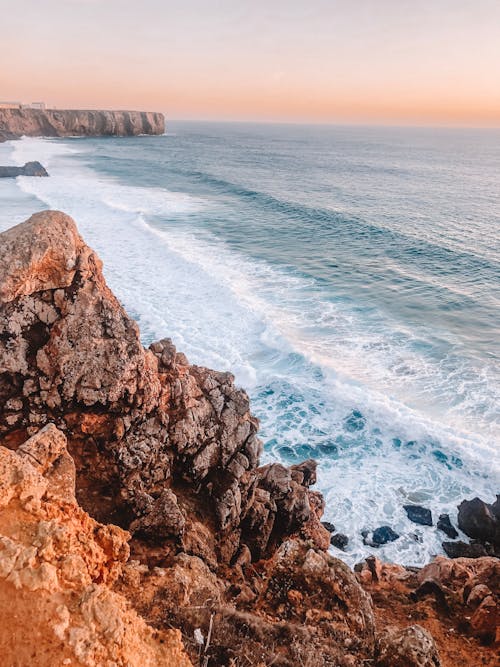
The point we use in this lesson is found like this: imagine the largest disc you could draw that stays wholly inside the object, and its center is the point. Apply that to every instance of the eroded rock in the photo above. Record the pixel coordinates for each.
(57, 566)
(409, 647)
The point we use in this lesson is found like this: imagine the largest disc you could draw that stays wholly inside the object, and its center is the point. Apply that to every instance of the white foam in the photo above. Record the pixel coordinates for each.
(274, 331)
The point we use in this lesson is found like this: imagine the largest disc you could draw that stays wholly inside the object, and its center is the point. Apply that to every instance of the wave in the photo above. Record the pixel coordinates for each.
(352, 227)
(366, 400)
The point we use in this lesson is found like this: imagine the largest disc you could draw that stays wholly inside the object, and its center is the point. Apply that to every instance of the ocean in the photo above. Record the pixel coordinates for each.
(349, 277)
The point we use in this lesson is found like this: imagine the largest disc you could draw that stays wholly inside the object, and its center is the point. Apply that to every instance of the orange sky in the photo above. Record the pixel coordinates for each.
(380, 61)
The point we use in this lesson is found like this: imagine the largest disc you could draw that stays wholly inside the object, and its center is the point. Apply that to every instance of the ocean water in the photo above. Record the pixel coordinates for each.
(348, 277)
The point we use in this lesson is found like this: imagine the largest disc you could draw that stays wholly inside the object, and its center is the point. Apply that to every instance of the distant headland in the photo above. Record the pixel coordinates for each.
(17, 120)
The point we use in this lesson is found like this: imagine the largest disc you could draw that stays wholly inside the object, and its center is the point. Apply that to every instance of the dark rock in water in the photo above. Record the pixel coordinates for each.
(463, 550)
(480, 520)
(419, 514)
(339, 540)
(329, 526)
(444, 524)
(29, 169)
(379, 536)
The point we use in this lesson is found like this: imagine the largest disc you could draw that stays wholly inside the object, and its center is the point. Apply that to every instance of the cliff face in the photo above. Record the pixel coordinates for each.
(15, 123)
(57, 569)
(104, 433)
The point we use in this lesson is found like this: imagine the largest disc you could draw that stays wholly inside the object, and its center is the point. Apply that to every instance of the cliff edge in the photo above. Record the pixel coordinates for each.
(15, 123)
(134, 502)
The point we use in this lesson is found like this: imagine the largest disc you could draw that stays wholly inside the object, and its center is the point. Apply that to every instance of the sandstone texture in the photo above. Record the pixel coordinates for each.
(15, 123)
(29, 169)
(57, 568)
(134, 507)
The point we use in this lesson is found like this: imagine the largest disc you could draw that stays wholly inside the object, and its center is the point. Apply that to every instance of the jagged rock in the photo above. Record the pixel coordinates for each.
(163, 518)
(29, 169)
(418, 514)
(70, 354)
(445, 525)
(57, 566)
(221, 546)
(409, 647)
(341, 608)
(469, 584)
(480, 520)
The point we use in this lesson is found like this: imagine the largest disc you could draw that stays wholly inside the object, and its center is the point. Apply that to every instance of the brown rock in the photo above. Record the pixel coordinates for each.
(56, 568)
(15, 123)
(409, 647)
(70, 354)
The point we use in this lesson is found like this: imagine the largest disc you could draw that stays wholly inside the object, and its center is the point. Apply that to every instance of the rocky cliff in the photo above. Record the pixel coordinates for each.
(133, 502)
(15, 123)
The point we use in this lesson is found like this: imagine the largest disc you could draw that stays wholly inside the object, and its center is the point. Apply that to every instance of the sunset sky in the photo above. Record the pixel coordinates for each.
(369, 61)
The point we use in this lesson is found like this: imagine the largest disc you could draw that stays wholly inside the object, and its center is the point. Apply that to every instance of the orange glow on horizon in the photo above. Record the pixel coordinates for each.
(322, 61)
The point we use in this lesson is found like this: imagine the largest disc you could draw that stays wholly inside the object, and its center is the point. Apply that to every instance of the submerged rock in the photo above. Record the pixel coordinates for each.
(419, 514)
(445, 525)
(29, 169)
(380, 536)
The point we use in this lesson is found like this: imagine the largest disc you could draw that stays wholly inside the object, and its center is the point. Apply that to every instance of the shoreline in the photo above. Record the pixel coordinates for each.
(405, 528)
(208, 537)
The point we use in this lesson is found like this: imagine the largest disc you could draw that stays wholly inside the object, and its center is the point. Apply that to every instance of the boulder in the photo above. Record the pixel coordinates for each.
(339, 540)
(408, 647)
(461, 549)
(29, 169)
(445, 525)
(480, 520)
(419, 514)
(380, 536)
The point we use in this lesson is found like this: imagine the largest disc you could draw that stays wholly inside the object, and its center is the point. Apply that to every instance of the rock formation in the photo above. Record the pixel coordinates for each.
(15, 123)
(29, 169)
(106, 446)
(57, 569)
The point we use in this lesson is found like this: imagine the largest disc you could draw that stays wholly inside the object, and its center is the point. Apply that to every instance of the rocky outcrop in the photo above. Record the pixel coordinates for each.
(106, 448)
(57, 569)
(15, 123)
(481, 521)
(29, 169)
(167, 435)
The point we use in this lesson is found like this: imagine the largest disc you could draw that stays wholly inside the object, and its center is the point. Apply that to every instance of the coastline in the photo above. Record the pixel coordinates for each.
(88, 196)
(15, 123)
(245, 538)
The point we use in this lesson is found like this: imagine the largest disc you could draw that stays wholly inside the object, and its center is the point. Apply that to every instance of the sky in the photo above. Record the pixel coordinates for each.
(431, 62)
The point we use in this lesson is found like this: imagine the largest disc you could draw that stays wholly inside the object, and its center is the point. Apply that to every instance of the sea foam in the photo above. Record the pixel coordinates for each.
(369, 402)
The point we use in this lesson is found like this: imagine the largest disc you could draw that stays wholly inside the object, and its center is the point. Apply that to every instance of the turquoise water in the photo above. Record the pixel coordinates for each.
(349, 277)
